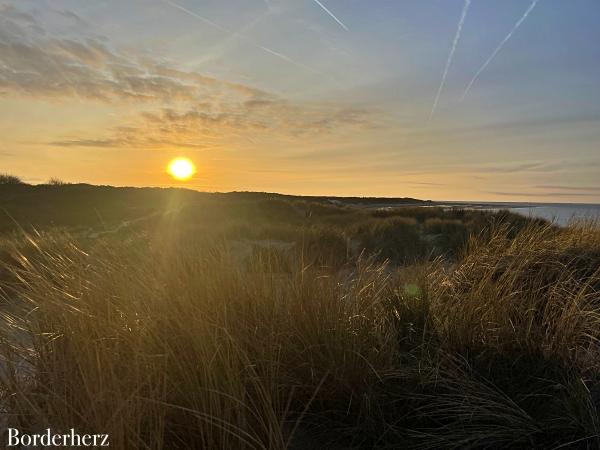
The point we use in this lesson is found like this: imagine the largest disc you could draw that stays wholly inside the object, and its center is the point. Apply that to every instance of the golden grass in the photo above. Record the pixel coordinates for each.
(165, 344)
(537, 291)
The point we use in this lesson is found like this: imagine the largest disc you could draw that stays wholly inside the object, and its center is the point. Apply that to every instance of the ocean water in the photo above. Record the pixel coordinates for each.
(559, 213)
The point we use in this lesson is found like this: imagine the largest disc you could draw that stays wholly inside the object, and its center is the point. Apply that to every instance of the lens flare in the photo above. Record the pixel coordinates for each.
(181, 169)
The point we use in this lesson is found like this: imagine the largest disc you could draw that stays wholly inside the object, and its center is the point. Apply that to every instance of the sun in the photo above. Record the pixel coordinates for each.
(181, 169)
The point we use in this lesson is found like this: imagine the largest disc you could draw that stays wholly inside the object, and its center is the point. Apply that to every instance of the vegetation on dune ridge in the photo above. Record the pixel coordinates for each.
(7, 179)
(342, 328)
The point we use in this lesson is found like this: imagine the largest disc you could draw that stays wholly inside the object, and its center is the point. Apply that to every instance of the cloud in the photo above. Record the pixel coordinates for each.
(423, 183)
(131, 141)
(559, 123)
(139, 137)
(63, 68)
(554, 190)
(35, 64)
(520, 167)
(184, 107)
(202, 128)
(537, 166)
(70, 15)
(544, 194)
(10, 12)
(570, 188)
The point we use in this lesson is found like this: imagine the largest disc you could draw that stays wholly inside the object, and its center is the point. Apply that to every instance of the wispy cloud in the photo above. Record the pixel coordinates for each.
(37, 65)
(197, 128)
(518, 167)
(180, 108)
(461, 23)
(133, 140)
(552, 190)
(500, 47)
(543, 194)
(324, 8)
(570, 188)
(244, 38)
(424, 183)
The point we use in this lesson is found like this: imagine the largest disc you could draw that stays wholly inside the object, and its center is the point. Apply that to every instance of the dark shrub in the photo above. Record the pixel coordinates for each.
(449, 236)
(10, 179)
(396, 239)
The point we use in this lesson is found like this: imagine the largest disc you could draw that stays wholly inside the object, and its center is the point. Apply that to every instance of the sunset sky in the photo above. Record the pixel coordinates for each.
(298, 97)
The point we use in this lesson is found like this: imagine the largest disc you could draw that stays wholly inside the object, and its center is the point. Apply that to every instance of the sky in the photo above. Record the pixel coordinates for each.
(331, 97)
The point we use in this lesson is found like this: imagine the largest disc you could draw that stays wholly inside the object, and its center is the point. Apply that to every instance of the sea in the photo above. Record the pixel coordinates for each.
(559, 213)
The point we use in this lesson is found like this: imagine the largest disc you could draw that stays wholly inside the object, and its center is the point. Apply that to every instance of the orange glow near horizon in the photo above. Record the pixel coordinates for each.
(181, 169)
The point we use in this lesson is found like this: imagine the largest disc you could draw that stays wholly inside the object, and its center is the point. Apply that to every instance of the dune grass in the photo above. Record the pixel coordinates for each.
(167, 342)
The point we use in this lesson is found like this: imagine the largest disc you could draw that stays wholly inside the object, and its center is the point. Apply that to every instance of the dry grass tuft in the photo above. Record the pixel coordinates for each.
(164, 344)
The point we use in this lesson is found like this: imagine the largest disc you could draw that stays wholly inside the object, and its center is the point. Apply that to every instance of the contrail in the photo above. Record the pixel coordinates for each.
(340, 23)
(243, 38)
(450, 56)
(504, 41)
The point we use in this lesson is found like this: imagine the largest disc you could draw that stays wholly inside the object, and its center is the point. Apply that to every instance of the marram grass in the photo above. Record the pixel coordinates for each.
(163, 344)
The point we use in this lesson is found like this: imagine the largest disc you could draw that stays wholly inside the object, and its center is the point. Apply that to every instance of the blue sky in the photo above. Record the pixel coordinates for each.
(276, 95)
